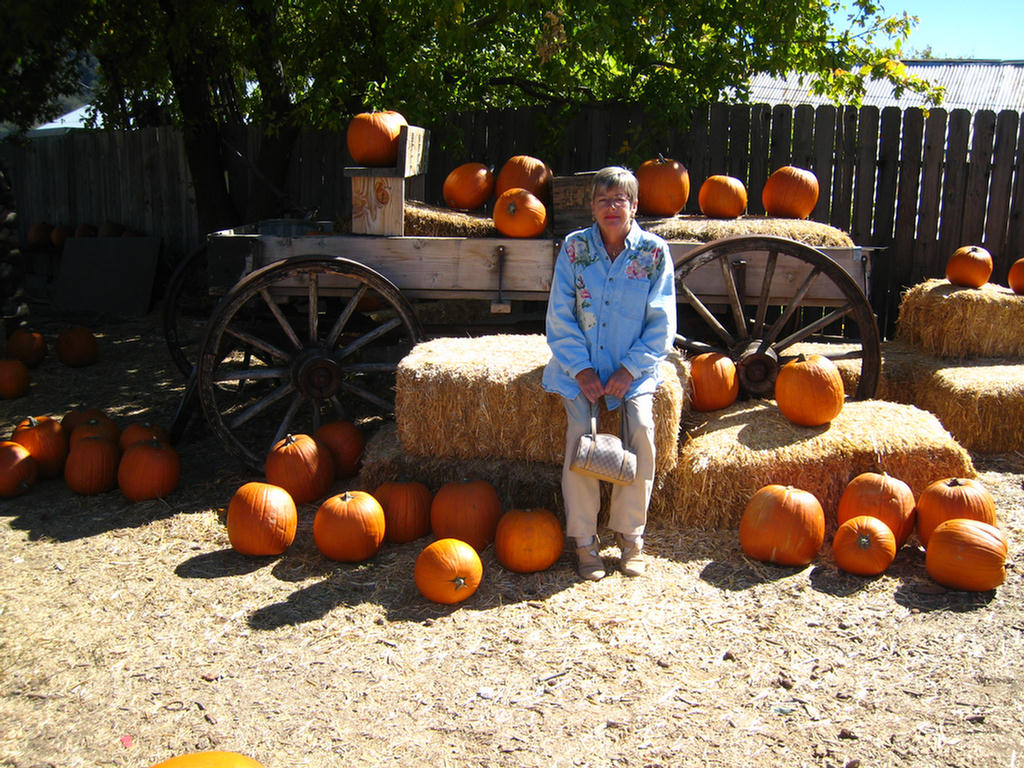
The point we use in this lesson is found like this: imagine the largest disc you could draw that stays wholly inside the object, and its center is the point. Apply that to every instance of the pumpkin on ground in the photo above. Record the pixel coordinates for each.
(372, 137)
(302, 466)
(790, 192)
(349, 527)
(18, 470)
(969, 266)
(91, 466)
(1015, 277)
(406, 505)
(864, 545)
(782, 525)
(261, 519)
(14, 379)
(448, 571)
(967, 554)
(952, 498)
(809, 390)
(149, 469)
(528, 540)
(345, 442)
(142, 430)
(60, 234)
(466, 510)
(27, 346)
(79, 415)
(883, 496)
(76, 347)
(468, 187)
(209, 759)
(715, 381)
(722, 197)
(46, 441)
(519, 213)
(94, 426)
(663, 187)
(525, 172)
(39, 235)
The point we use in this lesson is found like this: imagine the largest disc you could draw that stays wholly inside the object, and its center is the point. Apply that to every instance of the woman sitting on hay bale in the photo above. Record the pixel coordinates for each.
(610, 321)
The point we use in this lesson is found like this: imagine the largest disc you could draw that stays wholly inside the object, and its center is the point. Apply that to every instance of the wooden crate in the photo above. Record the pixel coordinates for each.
(379, 193)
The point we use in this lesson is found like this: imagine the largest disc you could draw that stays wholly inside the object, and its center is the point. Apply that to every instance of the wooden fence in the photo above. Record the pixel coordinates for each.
(912, 186)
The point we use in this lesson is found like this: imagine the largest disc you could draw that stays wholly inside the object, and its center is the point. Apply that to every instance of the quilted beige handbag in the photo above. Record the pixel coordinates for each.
(605, 456)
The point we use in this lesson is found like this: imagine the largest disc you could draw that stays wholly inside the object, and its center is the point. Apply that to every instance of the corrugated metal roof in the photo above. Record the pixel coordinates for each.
(970, 84)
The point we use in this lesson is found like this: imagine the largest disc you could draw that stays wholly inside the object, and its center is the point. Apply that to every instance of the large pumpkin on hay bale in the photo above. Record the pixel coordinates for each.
(466, 510)
(448, 571)
(468, 187)
(969, 266)
(349, 527)
(27, 346)
(714, 380)
(790, 193)
(372, 137)
(1015, 277)
(782, 525)
(525, 172)
(809, 390)
(953, 498)
(528, 540)
(663, 187)
(519, 213)
(864, 545)
(722, 197)
(967, 554)
(262, 519)
(881, 496)
(209, 759)
(18, 470)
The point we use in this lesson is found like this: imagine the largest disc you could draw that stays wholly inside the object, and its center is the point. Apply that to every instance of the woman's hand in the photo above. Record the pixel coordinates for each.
(618, 383)
(590, 384)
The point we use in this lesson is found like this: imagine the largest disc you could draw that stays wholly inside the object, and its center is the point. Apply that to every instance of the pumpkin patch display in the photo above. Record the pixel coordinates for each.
(46, 441)
(782, 525)
(519, 213)
(864, 545)
(406, 505)
(967, 554)
(663, 187)
(881, 496)
(466, 510)
(372, 137)
(262, 519)
(209, 759)
(790, 192)
(302, 466)
(18, 470)
(345, 442)
(14, 379)
(969, 266)
(77, 347)
(525, 172)
(809, 390)
(528, 540)
(722, 197)
(349, 527)
(714, 380)
(27, 346)
(149, 469)
(952, 498)
(448, 571)
(468, 187)
(91, 465)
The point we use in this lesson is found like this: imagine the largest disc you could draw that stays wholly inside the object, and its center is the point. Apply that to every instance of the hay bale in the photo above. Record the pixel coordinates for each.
(481, 397)
(949, 321)
(422, 220)
(740, 449)
(702, 229)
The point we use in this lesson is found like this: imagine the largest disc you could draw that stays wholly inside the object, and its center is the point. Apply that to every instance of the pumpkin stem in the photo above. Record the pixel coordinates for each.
(459, 582)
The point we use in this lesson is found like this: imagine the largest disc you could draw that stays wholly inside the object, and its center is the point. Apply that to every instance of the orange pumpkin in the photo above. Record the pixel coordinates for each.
(302, 466)
(142, 430)
(466, 510)
(663, 187)
(27, 346)
(345, 442)
(261, 519)
(715, 382)
(14, 379)
(722, 197)
(1015, 277)
(96, 427)
(349, 527)
(60, 234)
(952, 498)
(39, 235)
(18, 470)
(782, 525)
(79, 415)
(77, 347)
(91, 466)
(969, 266)
(809, 390)
(528, 540)
(525, 172)
(967, 554)
(448, 571)
(468, 187)
(372, 137)
(519, 213)
(46, 441)
(149, 469)
(209, 759)
(406, 505)
(790, 192)
(864, 545)
(882, 496)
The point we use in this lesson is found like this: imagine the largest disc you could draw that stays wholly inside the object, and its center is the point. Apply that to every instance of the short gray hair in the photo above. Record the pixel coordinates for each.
(615, 177)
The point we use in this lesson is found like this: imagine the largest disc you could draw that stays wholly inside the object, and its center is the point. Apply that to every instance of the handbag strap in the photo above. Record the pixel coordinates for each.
(622, 420)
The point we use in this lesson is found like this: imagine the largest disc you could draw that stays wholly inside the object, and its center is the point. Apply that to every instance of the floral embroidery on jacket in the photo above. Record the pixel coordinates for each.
(644, 265)
(586, 318)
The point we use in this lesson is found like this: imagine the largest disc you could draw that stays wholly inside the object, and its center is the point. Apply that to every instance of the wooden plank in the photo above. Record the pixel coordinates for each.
(378, 205)
(803, 136)
(843, 176)
(954, 182)
(718, 143)
(928, 262)
(864, 174)
(738, 161)
(760, 149)
(977, 177)
(883, 222)
(698, 161)
(824, 144)
(901, 252)
(782, 136)
(1015, 224)
(998, 212)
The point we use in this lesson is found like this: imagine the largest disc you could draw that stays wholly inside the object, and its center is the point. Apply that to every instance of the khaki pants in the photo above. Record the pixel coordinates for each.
(582, 495)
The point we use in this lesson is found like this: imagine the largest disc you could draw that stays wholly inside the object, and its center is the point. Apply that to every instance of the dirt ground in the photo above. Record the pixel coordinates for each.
(132, 632)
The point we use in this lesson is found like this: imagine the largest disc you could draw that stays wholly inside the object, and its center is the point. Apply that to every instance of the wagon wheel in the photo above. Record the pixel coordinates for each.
(760, 330)
(299, 342)
(186, 309)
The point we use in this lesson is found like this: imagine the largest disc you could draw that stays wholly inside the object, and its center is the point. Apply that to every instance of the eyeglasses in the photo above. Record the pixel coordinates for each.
(619, 201)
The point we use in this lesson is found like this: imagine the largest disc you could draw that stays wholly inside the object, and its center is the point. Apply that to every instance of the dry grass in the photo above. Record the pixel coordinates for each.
(703, 230)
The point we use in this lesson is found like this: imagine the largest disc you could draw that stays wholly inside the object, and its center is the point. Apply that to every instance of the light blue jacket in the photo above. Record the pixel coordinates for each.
(603, 314)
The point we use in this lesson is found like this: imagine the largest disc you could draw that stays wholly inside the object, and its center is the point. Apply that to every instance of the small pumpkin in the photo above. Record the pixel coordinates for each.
(722, 197)
(715, 381)
(1015, 277)
(783, 525)
(790, 192)
(18, 470)
(951, 498)
(466, 510)
(79, 415)
(883, 496)
(77, 347)
(809, 390)
(262, 519)
(345, 442)
(406, 505)
(525, 172)
(14, 379)
(142, 430)
(302, 466)
(91, 466)
(209, 759)
(663, 187)
(349, 527)
(60, 234)
(372, 137)
(96, 426)
(967, 554)
(46, 441)
(448, 571)
(969, 266)
(864, 545)
(39, 235)
(468, 187)
(519, 213)
(27, 346)
(528, 540)
(149, 469)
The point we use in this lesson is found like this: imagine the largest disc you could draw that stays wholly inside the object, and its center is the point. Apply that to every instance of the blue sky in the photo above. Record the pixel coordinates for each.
(976, 29)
